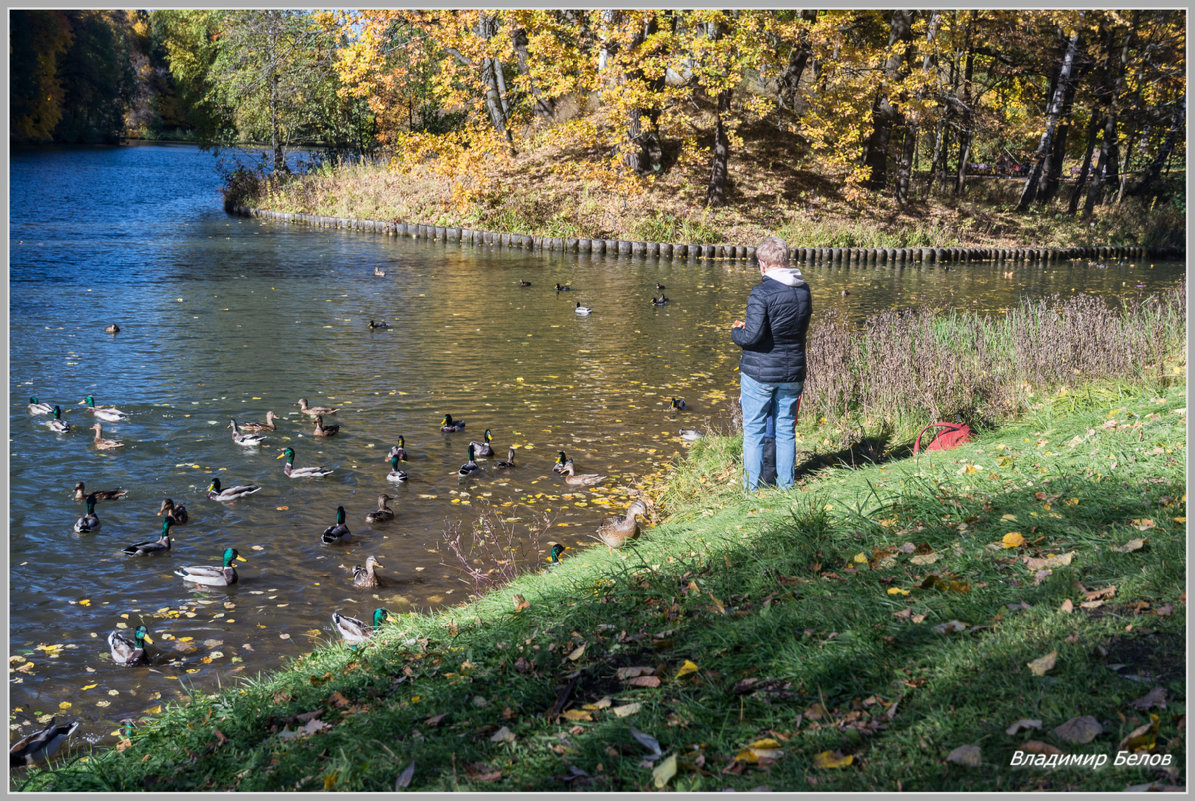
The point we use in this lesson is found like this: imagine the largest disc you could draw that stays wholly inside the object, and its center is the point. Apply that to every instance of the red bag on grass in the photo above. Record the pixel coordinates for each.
(951, 436)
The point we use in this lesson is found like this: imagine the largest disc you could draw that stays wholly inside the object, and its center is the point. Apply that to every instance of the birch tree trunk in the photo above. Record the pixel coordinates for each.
(1044, 148)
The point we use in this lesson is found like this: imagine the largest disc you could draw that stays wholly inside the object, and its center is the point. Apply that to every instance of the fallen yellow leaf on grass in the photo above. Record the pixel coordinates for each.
(663, 772)
(687, 668)
(1049, 562)
(1131, 545)
(1039, 667)
(860, 558)
(760, 749)
(1013, 539)
(832, 759)
(1143, 524)
(521, 603)
(577, 714)
(968, 755)
(897, 591)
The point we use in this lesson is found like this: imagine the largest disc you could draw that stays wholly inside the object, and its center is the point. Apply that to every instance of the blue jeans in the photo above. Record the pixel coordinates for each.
(759, 402)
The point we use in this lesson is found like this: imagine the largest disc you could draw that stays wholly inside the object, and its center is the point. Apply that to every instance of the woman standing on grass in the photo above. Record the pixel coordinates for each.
(772, 367)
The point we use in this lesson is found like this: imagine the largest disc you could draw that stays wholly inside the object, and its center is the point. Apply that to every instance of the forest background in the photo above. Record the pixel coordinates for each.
(841, 127)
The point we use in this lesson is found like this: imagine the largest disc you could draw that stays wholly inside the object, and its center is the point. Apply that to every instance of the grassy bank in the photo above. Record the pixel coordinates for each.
(848, 635)
(546, 191)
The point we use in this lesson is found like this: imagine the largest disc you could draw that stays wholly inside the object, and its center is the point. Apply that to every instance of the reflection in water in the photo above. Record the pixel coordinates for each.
(225, 318)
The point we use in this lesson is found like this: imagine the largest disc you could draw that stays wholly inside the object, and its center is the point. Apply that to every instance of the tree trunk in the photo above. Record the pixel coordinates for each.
(1030, 191)
(1092, 130)
(884, 115)
(1107, 168)
(274, 78)
(643, 153)
(1154, 170)
(967, 121)
(544, 107)
(715, 194)
(798, 58)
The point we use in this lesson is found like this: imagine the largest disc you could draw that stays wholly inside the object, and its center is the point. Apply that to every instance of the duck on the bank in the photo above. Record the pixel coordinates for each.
(509, 463)
(41, 745)
(565, 288)
(382, 324)
(88, 523)
(213, 576)
(365, 577)
(314, 411)
(383, 513)
(355, 631)
(337, 533)
(616, 530)
(584, 311)
(483, 449)
(524, 283)
(448, 424)
(160, 545)
(561, 460)
(322, 430)
(57, 424)
(100, 495)
(37, 407)
(470, 467)
(176, 513)
(557, 551)
(108, 413)
(126, 652)
(583, 480)
(379, 272)
(112, 329)
(396, 475)
(104, 444)
(660, 301)
(217, 493)
(290, 471)
(679, 404)
(253, 428)
(245, 440)
(399, 450)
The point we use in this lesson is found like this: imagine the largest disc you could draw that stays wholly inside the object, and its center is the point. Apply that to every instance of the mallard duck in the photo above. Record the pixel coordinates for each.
(40, 746)
(354, 630)
(561, 460)
(109, 413)
(322, 430)
(659, 286)
(382, 324)
(660, 301)
(399, 450)
(679, 404)
(338, 532)
(470, 467)
(112, 329)
(160, 545)
(382, 513)
(88, 522)
(268, 425)
(616, 530)
(364, 576)
(217, 493)
(448, 424)
(584, 311)
(126, 652)
(396, 475)
(213, 576)
(104, 444)
(291, 471)
(557, 550)
(483, 448)
(37, 407)
(99, 495)
(176, 513)
(510, 460)
(58, 424)
(690, 434)
(245, 440)
(313, 411)
(379, 272)
(565, 288)
(583, 480)
(524, 283)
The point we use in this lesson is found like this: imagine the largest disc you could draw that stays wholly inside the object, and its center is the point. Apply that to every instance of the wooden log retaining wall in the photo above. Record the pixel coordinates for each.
(837, 257)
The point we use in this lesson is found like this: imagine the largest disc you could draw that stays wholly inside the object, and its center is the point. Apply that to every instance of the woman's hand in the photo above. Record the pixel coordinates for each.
(739, 324)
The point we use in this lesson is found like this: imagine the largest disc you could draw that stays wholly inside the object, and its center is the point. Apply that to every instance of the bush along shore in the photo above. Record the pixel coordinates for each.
(826, 256)
(1008, 615)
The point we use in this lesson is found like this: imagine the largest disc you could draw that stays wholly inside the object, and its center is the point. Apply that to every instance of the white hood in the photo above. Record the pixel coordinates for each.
(785, 275)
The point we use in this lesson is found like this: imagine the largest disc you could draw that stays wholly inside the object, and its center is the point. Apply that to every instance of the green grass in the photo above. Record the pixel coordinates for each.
(808, 622)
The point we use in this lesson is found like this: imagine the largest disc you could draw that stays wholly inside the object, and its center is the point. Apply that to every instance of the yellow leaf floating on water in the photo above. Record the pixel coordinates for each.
(64, 705)
(1013, 539)
(687, 668)
(832, 759)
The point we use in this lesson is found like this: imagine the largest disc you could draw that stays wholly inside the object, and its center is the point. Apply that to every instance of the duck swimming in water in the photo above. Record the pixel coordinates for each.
(524, 283)
(160, 545)
(660, 301)
(313, 411)
(470, 467)
(253, 428)
(57, 424)
(483, 448)
(41, 745)
(99, 495)
(679, 404)
(365, 577)
(126, 652)
(338, 532)
(322, 430)
(109, 413)
(383, 513)
(561, 461)
(104, 444)
(584, 311)
(583, 480)
(399, 450)
(177, 514)
(396, 475)
(565, 288)
(37, 407)
(509, 463)
(89, 522)
(215, 492)
(245, 440)
(382, 324)
(290, 471)
(213, 576)
(448, 424)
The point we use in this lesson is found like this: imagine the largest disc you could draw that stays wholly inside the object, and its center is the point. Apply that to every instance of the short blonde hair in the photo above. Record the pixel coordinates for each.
(772, 252)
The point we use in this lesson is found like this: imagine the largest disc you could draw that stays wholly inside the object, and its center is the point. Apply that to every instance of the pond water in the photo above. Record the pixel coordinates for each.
(223, 317)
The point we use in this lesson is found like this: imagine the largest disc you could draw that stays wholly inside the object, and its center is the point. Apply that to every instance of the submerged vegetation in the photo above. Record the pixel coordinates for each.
(830, 637)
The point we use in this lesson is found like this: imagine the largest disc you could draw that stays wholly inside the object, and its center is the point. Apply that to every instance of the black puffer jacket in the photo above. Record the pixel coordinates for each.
(773, 337)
